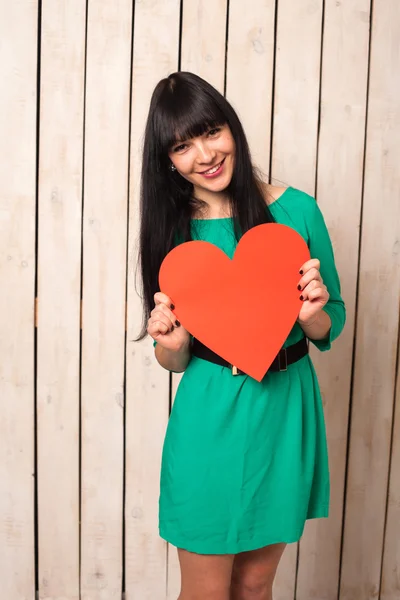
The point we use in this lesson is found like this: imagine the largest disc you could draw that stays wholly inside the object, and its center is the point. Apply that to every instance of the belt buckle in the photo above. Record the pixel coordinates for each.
(284, 354)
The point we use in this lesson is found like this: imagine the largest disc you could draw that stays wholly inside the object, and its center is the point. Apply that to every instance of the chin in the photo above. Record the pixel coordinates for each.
(221, 187)
(223, 184)
(217, 185)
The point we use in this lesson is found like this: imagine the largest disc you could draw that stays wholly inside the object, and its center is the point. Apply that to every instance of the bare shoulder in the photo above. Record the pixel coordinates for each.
(272, 192)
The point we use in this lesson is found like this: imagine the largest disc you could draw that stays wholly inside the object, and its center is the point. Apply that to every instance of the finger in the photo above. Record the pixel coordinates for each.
(309, 264)
(161, 298)
(167, 312)
(156, 327)
(318, 294)
(158, 315)
(312, 274)
(321, 295)
(313, 285)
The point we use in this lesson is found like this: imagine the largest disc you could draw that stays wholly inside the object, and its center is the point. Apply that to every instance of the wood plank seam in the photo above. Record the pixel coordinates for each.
(80, 317)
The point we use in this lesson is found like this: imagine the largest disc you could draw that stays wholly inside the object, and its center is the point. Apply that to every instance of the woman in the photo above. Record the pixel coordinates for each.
(244, 463)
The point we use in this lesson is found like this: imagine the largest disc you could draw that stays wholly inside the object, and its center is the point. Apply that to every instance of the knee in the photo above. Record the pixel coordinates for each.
(209, 590)
(251, 588)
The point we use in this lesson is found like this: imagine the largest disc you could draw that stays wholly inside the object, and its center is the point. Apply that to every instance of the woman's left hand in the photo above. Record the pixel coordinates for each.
(313, 292)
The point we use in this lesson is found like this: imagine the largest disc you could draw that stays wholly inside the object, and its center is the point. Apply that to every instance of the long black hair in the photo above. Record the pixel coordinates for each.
(183, 106)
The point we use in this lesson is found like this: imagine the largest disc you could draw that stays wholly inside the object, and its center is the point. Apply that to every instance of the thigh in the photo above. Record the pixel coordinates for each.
(205, 575)
(256, 569)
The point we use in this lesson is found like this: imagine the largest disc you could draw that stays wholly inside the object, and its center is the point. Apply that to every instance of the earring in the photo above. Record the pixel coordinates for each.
(172, 167)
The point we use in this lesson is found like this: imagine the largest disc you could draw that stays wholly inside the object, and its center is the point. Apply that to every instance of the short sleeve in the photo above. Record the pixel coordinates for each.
(320, 246)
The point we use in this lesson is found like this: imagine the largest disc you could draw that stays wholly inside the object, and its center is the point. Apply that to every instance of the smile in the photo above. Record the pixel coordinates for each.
(215, 170)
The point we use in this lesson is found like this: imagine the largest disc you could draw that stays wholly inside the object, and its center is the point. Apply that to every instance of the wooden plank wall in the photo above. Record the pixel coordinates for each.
(59, 208)
(83, 409)
(18, 156)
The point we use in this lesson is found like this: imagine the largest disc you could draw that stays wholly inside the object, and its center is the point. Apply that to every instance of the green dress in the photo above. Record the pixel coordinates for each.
(245, 463)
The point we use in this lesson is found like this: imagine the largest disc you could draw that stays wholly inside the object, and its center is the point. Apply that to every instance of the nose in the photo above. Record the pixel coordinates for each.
(205, 154)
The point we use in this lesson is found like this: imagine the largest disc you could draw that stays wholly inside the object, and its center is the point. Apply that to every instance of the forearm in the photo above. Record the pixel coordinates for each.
(173, 360)
(319, 328)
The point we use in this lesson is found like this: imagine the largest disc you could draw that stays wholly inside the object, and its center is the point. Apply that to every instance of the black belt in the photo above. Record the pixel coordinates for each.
(285, 356)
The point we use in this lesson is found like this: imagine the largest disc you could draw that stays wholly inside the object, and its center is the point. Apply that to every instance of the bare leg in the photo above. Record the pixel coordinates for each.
(253, 573)
(205, 576)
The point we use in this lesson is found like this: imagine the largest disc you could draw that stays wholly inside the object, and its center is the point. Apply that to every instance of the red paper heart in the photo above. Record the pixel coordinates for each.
(242, 309)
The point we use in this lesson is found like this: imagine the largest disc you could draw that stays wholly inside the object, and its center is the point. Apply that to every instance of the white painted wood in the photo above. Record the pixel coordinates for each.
(297, 81)
(249, 76)
(59, 268)
(298, 50)
(377, 318)
(18, 68)
(390, 583)
(339, 192)
(203, 40)
(156, 51)
(104, 289)
(174, 572)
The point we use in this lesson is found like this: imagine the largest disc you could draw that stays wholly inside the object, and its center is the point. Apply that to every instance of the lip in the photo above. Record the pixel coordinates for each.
(217, 172)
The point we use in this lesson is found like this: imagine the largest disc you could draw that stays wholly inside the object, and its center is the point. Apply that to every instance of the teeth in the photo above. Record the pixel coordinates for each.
(213, 170)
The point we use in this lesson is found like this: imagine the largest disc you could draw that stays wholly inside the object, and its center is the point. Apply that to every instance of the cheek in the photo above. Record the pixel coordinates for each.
(180, 163)
(184, 165)
(186, 168)
(229, 145)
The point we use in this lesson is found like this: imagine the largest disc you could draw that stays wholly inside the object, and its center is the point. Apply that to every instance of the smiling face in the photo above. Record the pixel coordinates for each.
(207, 161)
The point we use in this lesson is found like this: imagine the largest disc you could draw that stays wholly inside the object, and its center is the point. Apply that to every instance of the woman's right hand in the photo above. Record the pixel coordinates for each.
(163, 326)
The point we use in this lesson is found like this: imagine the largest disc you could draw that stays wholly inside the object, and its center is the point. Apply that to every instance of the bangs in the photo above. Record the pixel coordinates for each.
(185, 116)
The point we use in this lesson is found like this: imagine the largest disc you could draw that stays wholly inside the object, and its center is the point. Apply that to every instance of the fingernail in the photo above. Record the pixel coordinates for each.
(177, 324)
(301, 271)
(299, 287)
(172, 306)
(301, 297)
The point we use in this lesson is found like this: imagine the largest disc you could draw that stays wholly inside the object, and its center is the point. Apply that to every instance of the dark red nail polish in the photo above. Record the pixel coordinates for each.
(301, 297)
(301, 271)
(172, 306)
(299, 287)
(177, 324)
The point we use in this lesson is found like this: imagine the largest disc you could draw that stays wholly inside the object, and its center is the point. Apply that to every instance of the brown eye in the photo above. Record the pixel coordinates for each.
(179, 147)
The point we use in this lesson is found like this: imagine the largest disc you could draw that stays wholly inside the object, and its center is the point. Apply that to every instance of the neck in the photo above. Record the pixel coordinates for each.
(216, 204)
